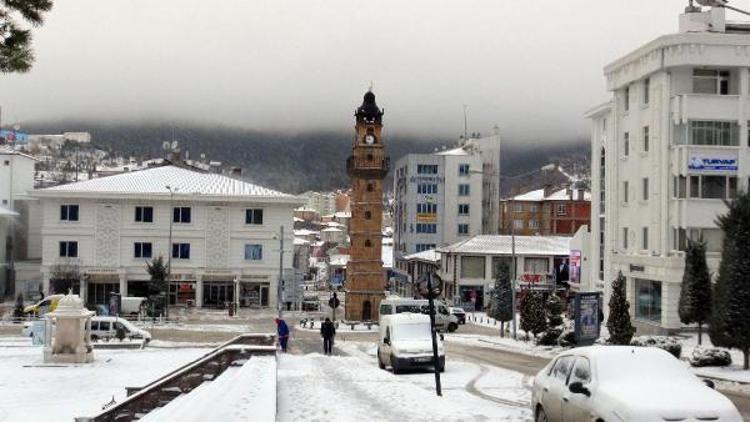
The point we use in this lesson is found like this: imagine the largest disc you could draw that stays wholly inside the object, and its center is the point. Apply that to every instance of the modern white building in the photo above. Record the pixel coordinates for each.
(668, 148)
(225, 236)
(446, 196)
(468, 268)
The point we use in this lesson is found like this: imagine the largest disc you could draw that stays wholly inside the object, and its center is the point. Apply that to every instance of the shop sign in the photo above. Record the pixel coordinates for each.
(426, 218)
(637, 268)
(713, 162)
(425, 179)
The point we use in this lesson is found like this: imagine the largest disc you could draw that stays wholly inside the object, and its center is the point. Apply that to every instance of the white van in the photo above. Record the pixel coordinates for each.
(444, 320)
(405, 342)
(105, 328)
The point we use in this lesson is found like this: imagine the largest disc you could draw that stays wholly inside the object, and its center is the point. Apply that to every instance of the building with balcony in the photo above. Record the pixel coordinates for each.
(446, 196)
(668, 148)
(546, 212)
(98, 235)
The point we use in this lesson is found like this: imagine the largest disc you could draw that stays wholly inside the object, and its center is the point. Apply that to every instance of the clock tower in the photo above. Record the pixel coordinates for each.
(367, 168)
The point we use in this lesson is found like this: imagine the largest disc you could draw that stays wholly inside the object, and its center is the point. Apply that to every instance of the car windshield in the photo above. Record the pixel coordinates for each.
(411, 332)
(409, 308)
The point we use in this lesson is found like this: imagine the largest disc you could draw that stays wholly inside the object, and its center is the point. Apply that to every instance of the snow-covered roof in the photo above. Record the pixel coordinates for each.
(331, 230)
(304, 232)
(453, 151)
(338, 260)
(559, 195)
(503, 244)
(300, 242)
(342, 214)
(5, 212)
(429, 255)
(153, 181)
(386, 255)
(9, 151)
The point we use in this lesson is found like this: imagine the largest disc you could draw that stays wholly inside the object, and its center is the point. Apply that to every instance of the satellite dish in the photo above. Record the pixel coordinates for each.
(174, 144)
(165, 145)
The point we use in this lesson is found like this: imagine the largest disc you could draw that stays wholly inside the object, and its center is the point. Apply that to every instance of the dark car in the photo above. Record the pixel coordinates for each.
(460, 315)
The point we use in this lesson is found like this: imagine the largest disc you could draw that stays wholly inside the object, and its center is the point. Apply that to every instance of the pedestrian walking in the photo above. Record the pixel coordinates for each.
(328, 332)
(283, 331)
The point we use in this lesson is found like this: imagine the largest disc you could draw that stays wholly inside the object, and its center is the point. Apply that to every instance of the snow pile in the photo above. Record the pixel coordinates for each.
(670, 344)
(238, 394)
(710, 357)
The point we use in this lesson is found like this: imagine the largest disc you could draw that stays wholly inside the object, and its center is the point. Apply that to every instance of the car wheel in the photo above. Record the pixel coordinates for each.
(540, 415)
(394, 365)
(381, 365)
(452, 327)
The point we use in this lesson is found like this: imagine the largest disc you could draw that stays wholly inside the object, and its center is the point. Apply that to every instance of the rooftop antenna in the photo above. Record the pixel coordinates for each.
(370, 88)
(466, 121)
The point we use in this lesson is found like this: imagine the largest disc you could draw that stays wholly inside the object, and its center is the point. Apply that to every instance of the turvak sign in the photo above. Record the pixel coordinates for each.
(712, 163)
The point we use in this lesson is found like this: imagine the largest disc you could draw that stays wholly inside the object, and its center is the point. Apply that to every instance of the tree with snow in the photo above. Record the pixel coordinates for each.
(533, 315)
(501, 307)
(16, 54)
(620, 328)
(158, 285)
(695, 296)
(730, 322)
(554, 308)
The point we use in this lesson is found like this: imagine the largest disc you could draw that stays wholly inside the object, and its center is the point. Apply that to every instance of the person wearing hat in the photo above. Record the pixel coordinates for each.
(283, 331)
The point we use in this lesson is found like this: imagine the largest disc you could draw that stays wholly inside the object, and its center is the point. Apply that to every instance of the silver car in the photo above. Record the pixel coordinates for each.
(624, 383)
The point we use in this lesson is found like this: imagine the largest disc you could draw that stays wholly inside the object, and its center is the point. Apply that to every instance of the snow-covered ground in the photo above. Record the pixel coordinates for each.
(329, 388)
(733, 372)
(29, 390)
(504, 343)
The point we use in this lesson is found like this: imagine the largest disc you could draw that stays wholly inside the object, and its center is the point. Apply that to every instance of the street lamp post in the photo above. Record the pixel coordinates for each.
(170, 247)
(281, 270)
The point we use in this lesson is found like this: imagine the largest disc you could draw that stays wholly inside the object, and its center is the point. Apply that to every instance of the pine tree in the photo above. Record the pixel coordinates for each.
(533, 315)
(158, 272)
(620, 328)
(16, 54)
(554, 308)
(695, 296)
(730, 322)
(501, 307)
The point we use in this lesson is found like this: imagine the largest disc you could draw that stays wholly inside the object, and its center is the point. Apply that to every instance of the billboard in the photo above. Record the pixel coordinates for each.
(14, 137)
(575, 266)
(587, 313)
(713, 161)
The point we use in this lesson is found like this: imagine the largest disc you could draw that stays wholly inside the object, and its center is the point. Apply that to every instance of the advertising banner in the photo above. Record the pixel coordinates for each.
(586, 311)
(713, 161)
(575, 266)
(14, 137)
(426, 218)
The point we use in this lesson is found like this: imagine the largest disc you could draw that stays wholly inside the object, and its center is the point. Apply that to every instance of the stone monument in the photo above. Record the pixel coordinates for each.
(71, 339)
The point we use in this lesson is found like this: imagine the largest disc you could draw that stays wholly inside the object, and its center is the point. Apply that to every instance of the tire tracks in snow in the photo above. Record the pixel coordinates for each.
(471, 388)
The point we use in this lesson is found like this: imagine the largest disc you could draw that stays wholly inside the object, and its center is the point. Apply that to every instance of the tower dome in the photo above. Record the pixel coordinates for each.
(369, 110)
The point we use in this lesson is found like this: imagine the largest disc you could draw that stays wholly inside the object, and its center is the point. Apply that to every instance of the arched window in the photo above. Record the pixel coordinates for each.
(369, 157)
(368, 215)
(368, 244)
(370, 187)
(366, 310)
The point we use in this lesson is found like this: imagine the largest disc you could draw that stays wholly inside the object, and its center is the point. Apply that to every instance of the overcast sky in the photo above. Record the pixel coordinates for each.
(532, 67)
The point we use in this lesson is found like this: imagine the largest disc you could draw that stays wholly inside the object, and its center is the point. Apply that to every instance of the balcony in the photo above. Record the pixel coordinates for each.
(368, 169)
(686, 107)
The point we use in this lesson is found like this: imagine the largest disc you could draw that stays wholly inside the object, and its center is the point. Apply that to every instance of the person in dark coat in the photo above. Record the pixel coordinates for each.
(283, 331)
(328, 332)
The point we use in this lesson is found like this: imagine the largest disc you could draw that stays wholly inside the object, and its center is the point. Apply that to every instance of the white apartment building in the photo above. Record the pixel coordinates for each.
(223, 231)
(667, 150)
(449, 195)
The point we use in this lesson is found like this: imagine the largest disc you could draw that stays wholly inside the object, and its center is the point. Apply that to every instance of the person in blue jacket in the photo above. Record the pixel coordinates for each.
(283, 331)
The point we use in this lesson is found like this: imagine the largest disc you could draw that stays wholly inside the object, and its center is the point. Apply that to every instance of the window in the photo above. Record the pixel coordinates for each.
(368, 244)
(708, 132)
(463, 209)
(463, 169)
(695, 186)
(142, 250)
(427, 208)
(581, 370)
(463, 229)
(518, 224)
(645, 188)
(254, 216)
(517, 207)
(427, 168)
(562, 368)
(646, 88)
(181, 250)
(533, 208)
(369, 187)
(626, 99)
(426, 228)
(181, 214)
(625, 238)
(680, 186)
(645, 238)
(562, 209)
(144, 214)
(253, 252)
(626, 144)
(645, 138)
(535, 224)
(421, 247)
(69, 212)
(714, 187)
(713, 238)
(68, 249)
(368, 215)
(427, 188)
(472, 266)
(6, 162)
(463, 190)
(535, 265)
(710, 81)
(648, 300)
(625, 189)
(732, 187)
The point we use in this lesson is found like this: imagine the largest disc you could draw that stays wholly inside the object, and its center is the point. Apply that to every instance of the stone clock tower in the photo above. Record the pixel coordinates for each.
(367, 168)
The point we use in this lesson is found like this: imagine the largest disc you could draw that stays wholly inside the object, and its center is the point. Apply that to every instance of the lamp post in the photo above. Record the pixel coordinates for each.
(281, 270)
(170, 248)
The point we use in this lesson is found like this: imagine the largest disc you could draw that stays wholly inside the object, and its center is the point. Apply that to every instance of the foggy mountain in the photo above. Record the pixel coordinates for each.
(290, 162)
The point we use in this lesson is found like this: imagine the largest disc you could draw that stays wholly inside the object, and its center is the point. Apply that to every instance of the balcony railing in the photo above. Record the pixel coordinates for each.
(686, 107)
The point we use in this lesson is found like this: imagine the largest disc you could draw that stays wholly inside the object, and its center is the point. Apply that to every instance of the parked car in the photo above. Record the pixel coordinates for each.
(460, 315)
(405, 341)
(444, 321)
(105, 327)
(48, 304)
(624, 383)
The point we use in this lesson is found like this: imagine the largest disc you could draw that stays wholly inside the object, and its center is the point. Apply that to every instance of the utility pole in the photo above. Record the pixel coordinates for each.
(281, 269)
(170, 250)
(513, 271)
(435, 357)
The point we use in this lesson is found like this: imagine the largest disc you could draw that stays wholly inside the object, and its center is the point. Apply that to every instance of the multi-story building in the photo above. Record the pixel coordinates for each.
(667, 150)
(225, 234)
(322, 202)
(546, 212)
(446, 196)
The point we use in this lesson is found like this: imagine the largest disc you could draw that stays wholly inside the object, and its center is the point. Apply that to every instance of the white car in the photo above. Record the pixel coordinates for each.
(405, 342)
(444, 320)
(105, 327)
(624, 383)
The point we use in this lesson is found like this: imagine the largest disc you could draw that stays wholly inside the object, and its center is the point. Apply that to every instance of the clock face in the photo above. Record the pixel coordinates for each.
(369, 139)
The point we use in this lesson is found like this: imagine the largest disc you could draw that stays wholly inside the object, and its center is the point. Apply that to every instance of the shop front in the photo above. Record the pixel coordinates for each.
(255, 290)
(182, 292)
(471, 298)
(217, 294)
